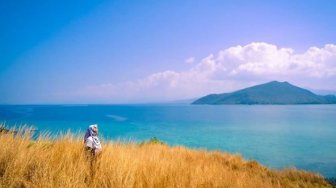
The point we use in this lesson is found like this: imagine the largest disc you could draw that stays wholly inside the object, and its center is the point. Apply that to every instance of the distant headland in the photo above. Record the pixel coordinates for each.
(268, 93)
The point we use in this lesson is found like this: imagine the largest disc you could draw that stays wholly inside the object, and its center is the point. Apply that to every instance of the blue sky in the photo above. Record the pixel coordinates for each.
(148, 51)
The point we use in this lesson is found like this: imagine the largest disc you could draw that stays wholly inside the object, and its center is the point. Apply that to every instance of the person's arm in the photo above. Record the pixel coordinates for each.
(89, 143)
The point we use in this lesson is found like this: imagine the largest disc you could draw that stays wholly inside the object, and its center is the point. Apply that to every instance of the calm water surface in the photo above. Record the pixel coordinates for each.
(281, 136)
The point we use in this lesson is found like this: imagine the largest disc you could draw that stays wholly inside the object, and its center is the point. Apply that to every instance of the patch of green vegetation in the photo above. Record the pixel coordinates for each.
(153, 140)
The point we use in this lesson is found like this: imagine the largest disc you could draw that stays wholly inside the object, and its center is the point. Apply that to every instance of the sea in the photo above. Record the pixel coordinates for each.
(277, 136)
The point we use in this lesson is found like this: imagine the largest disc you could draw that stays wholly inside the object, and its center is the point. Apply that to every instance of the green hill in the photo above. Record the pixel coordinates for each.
(269, 93)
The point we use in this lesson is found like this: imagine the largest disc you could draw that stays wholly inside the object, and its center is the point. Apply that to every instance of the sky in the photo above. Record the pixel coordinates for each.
(105, 52)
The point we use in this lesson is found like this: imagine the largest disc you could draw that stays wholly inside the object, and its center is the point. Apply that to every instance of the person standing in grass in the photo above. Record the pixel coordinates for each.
(91, 140)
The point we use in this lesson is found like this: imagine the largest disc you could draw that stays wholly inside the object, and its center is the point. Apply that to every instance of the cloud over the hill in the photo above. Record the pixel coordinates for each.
(227, 70)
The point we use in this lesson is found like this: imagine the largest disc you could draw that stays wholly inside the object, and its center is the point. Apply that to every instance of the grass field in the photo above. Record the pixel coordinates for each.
(64, 163)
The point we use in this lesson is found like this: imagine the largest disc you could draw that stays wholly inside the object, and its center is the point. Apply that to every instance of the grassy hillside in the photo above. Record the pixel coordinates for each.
(64, 163)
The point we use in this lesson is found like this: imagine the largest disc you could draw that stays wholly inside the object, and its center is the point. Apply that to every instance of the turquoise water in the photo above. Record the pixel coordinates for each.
(277, 136)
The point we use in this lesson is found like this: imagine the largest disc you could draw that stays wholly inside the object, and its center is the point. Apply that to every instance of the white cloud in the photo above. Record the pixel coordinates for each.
(190, 60)
(231, 69)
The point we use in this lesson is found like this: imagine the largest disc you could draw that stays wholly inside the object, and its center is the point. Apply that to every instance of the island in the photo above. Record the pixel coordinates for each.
(274, 92)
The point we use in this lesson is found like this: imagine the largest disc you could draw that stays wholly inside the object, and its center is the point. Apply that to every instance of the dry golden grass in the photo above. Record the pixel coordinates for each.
(64, 163)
